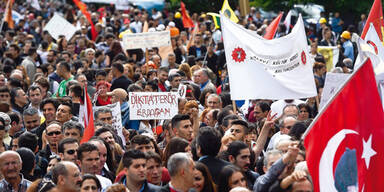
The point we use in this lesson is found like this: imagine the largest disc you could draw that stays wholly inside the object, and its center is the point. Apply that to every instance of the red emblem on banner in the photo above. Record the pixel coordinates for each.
(374, 46)
(303, 58)
(238, 54)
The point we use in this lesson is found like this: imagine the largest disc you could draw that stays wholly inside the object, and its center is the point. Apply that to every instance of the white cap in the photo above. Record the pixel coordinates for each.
(160, 27)
(171, 24)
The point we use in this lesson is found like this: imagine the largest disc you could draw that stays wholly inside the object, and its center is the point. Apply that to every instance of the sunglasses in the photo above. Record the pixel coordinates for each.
(54, 133)
(288, 127)
(2, 127)
(72, 151)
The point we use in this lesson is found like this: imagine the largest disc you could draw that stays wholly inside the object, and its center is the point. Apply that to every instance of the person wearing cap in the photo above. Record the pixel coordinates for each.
(322, 25)
(347, 45)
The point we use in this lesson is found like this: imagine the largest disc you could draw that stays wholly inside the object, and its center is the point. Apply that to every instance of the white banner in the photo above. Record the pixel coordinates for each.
(152, 105)
(116, 118)
(100, 1)
(146, 40)
(333, 82)
(59, 26)
(268, 69)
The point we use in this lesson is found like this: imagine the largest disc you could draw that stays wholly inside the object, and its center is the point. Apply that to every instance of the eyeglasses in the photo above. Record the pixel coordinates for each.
(2, 96)
(54, 133)
(71, 151)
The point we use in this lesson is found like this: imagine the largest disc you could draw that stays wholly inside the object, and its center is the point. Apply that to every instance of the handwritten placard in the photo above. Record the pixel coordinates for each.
(146, 40)
(152, 105)
(116, 118)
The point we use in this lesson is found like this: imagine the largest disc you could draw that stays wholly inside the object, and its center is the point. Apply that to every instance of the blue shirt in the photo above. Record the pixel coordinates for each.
(348, 50)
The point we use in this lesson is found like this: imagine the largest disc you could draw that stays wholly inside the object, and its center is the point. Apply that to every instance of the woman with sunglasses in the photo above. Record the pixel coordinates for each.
(90, 183)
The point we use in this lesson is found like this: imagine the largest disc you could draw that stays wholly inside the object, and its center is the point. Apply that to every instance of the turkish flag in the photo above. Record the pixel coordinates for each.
(270, 31)
(83, 9)
(87, 117)
(376, 17)
(345, 145)
(187, 21)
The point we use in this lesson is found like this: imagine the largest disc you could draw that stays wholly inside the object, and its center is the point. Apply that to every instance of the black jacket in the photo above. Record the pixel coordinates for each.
(121, 82)
(214, 165)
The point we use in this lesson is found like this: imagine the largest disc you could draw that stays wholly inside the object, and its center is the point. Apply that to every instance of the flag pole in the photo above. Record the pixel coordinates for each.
(331, 100)
(206, 54)
(234, 106)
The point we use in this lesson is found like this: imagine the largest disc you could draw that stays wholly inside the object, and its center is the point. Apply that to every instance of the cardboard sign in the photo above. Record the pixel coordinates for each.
(146, 40)
(182, 91)
(116, 118)
(332, 84)
(152, 105)
(59, 26)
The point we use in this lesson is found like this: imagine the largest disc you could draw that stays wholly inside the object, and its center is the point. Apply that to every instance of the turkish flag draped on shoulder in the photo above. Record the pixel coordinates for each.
(258, 68)
(345, 145)
(376, 17)
(270, 31)
(86, 115)
(83, 9)
(187, 21)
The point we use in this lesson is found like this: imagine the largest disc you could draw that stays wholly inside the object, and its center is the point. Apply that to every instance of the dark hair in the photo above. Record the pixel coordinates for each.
(226, 119)
(242, 123)
(209, 185)
(225, 175)
(264, 106)
(175, 145)
(140, 140)
(131, 155)
(235, 147)
(102, 130)
(223, 113)
(172, 76)
(307, 107)
(31, 51)
(92, 177)
(4, 89)
(85, 147)
(43, 68)
(177, 118)
(65, 65)
(209, 141)
(297, 130)
(13, 93)
(76, 89)
(28, 159)
(32, 88)
(101, 72)
(67, 140)
(14, 116)
(133, 88)
(43, 82)
(164, 68)
(118, 66)
(153, 85)
(28, 140)
(154, 156)
(73, 125)
(53, 101)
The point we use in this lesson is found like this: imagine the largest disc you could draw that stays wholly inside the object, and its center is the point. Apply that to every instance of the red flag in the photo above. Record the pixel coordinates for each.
(83, 9)
(187, 21)
(8, 14)
(376, 17)
(345, 146)
(87, 115)
(272, 28)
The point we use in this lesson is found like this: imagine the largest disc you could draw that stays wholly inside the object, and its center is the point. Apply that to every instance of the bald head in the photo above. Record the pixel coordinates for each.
(10, 165)
(287, 123)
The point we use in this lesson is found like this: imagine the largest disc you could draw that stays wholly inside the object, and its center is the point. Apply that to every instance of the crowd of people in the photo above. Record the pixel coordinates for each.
(209, 146)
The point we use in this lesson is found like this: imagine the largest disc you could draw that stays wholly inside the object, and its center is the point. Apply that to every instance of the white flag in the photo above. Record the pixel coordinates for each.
(373, 49)
(35, 4)
(267, 69)
(287, 21)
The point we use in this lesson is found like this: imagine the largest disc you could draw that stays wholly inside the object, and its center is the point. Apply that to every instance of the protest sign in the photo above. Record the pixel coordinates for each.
(152, 105)
(59, 26)
(116, 118)
(332, 84)
(330, 54)
(146, 40)
(182, 90)
(267, 69)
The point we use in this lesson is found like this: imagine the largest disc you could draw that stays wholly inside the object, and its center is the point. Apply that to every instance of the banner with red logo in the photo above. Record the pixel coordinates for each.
(280, 68)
